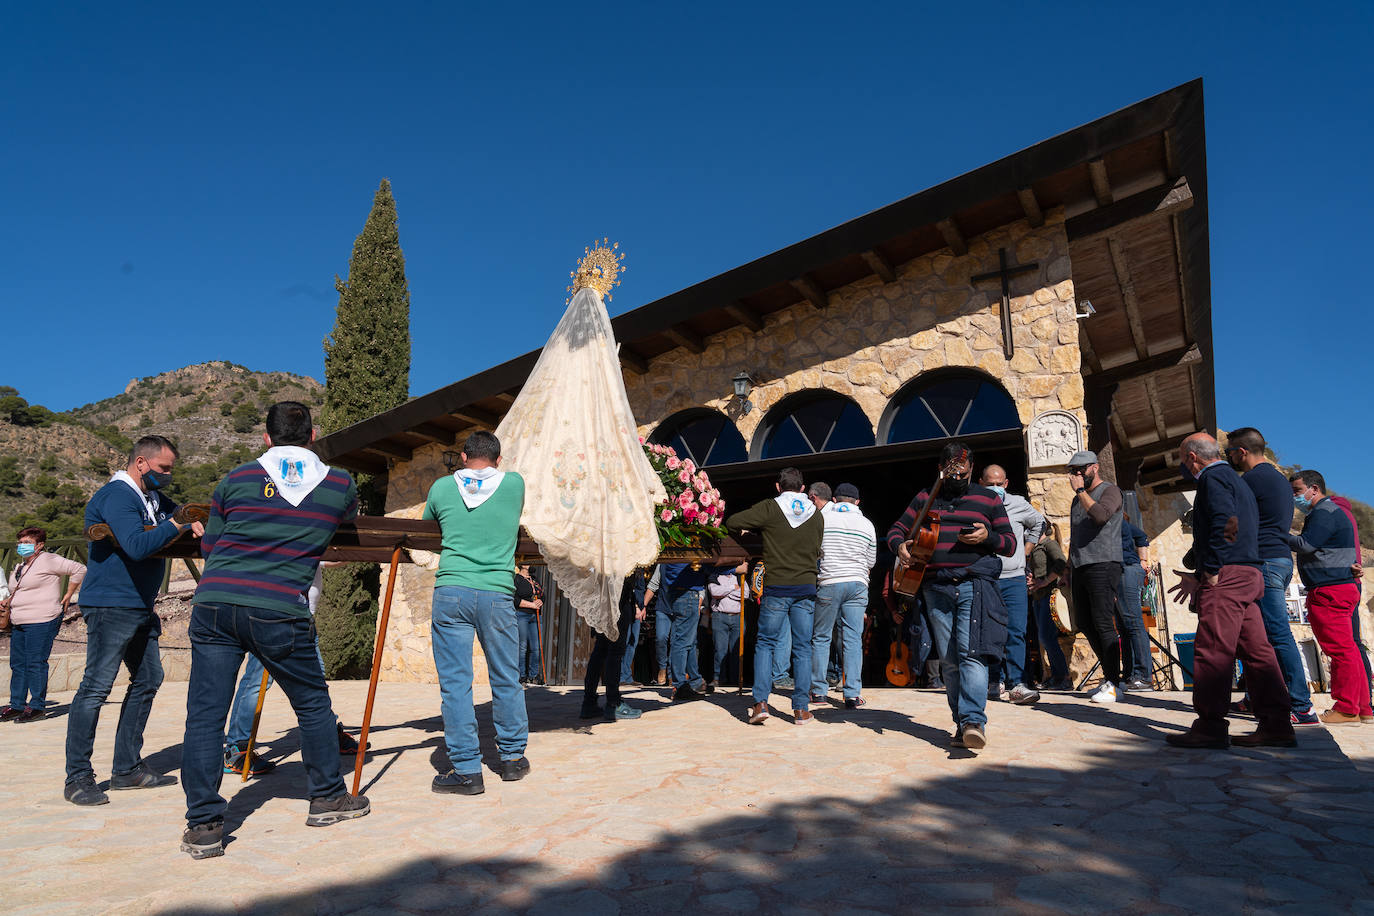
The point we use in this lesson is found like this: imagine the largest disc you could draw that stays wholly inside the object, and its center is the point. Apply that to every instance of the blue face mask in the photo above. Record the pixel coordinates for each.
(1000, 491)
(156, 480)
(25, 550)
(1303, 503)
(1186, 473)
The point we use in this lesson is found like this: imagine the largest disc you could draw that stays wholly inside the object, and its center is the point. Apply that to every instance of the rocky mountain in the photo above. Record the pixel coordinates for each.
(50, 463)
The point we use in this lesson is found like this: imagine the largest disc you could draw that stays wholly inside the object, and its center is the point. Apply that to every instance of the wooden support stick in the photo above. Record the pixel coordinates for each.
(376, 669)
(739, 668)
(539, 633)
(253, 734)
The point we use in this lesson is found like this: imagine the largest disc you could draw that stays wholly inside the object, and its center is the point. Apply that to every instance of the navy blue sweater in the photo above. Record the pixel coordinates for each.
(1225, 521)
(126, 574)
(1274, 494)
(1325, 549)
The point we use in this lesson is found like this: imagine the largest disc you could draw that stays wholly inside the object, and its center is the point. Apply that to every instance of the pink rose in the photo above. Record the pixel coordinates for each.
(673, 462)
(641, 440)
(684, 476)
(666, 515)
(705, 498)
(691, 468)
(689, 515)
(684, 500)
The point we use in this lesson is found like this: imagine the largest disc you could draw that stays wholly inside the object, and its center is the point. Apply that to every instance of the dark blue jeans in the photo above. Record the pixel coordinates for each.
(725, 635)
(528, 646)
(1274, 609)
(1049, 637)
(30, 646)
(684, 609)
(663, 630)
(1011, 669)
(114, 636)
(627, 673)
(1135, 641)
(220, 636)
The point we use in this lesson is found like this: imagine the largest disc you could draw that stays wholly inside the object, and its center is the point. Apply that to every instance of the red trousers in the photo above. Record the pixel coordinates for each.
(1229, 626)
(1329, 609)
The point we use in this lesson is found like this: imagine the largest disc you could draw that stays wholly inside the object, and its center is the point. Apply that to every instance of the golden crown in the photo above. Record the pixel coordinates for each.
(600, 268)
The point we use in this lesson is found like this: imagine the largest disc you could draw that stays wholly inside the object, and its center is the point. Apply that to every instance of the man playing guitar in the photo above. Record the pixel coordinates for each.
(959, 585)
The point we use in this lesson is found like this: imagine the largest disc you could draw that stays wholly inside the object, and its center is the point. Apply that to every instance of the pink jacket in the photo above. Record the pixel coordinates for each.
(36, 587)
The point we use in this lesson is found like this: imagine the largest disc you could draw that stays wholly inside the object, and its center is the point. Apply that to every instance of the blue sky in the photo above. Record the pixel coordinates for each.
(182, 184)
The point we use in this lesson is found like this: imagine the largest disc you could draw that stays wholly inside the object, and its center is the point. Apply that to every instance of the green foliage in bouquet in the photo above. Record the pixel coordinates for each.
(691, 516)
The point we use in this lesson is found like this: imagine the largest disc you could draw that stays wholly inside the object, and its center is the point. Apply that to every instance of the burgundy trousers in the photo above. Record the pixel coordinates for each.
(1329, 611)
(1229, 626)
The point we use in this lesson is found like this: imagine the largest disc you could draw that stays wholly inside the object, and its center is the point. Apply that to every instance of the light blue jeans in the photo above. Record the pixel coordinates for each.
(965, 674)
(460, 613)
(781, 654)
(845, 600)
(776, 615)
(246, 701)
(1274, 609)
(1012, 667)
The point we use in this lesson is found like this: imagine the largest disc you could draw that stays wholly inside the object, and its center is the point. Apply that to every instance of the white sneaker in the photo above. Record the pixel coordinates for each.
(1105, 694)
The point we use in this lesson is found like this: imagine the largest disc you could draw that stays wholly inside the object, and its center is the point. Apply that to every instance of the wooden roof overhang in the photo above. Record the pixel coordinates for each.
(1133, 186)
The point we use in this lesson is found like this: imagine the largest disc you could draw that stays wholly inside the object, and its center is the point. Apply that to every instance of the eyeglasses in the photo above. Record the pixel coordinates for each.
(1234, 448)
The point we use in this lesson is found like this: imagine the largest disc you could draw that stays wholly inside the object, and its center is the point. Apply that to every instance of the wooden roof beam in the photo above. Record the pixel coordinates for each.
(1157, 363)
(1128, 297)
(435, 433)
(1089, 355)
(1102, 185)
(477, 417)
(683, 335)
(1031, 207)
(1156, 411)
(1151, 449)
(1156, 476)
(389, 449)
(953, 237)
(811, 290)
(1160, 202)
(745, 315)
(633, 360)
(879, 265)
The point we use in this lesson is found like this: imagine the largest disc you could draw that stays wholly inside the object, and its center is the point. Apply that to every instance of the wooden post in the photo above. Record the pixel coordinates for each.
(739, 668)
(253, 735)
(539, 632)
(376, 669)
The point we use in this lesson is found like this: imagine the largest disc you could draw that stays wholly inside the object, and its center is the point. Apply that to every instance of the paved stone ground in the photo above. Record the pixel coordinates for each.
(1071, 808)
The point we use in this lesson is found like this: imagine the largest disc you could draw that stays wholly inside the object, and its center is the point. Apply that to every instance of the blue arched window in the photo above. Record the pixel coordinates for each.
(706, 436)
(814, 421)
(947, 403)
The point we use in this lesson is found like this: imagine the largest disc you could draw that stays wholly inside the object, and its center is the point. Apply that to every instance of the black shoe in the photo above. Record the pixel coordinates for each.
(591, 712)
(1199, 740)
(454, 783)
(204, 841)
(1265, 739)
(341, 807)
(10, 712)
(685, 693)
(142, 777)
(32, 715)
(832, 680)
(710, 687)
(855, 702)
(85, 793)
(1139, 684)
(347, 743)
(514, 770)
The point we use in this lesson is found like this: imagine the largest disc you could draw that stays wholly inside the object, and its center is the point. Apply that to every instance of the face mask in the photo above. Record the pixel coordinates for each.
(954, 486)
(1303, 503)
(156, 480)
(25, 550)
(1186, 473)
(1000, 491)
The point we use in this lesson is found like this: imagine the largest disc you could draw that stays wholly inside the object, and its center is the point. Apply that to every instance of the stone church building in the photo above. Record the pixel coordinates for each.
(1055, 299)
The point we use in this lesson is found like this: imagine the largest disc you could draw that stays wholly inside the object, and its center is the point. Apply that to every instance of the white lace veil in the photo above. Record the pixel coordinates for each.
(589, 488)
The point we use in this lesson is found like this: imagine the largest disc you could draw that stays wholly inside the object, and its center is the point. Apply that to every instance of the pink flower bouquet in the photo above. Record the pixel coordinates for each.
(694, 508)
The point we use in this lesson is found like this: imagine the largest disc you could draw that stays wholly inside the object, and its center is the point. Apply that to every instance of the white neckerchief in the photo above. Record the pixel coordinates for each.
(295, 470)
(796, 508)
(148, 500)
(477, 484)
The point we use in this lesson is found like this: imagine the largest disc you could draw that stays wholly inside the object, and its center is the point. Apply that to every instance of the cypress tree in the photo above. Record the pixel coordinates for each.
(366, 371)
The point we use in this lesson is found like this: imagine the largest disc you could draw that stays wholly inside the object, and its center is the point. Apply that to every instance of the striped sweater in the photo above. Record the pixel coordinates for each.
(849, 547)
(263, 552)
(978, 505)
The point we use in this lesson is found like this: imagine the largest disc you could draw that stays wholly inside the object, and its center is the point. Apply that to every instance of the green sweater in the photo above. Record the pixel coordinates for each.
(479, 544)
(790, 554)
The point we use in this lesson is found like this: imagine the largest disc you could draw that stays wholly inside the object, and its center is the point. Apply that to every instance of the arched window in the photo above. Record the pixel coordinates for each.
(706, 436)
(814, 421)
(942, 404)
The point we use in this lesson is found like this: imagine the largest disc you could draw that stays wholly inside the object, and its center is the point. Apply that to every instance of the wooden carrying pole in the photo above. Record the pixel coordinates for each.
(253, 735)
(376, 669)
(539, 632)
(739, 668)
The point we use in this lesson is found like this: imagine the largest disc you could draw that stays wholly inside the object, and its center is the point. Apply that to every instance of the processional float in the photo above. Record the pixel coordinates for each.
(591, 493)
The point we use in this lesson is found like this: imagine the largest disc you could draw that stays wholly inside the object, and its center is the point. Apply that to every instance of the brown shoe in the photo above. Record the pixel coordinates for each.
(662, 679)
(10, 712)
(1334, 717)
(32, 715)
(1264, 739)
(802, 717)
(758, 713)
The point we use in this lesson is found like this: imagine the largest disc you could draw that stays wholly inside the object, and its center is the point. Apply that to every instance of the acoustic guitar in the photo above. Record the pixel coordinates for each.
(906, 580)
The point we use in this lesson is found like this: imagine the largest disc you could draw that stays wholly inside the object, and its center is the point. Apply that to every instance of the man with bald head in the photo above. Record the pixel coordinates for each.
(1225, 588)
(1007, 676)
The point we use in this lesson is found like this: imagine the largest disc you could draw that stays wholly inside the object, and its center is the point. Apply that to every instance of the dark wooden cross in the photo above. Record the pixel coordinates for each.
(1005, 273)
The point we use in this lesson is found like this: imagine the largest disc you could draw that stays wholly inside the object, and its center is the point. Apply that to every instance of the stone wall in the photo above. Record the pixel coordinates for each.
(872, 339)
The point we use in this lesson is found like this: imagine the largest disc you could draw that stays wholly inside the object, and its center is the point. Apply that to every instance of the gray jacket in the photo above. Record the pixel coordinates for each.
(1027, 524)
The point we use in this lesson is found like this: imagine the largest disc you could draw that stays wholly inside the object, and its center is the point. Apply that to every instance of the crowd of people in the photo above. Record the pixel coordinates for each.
(977, 594)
